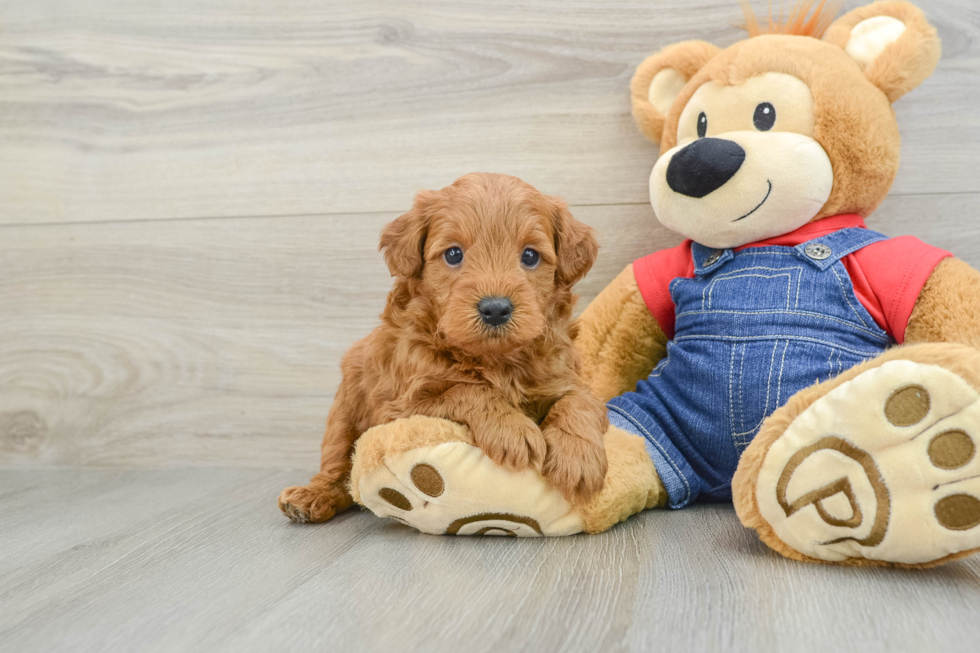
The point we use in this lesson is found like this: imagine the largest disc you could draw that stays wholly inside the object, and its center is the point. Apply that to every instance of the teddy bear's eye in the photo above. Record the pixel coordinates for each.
(702, 125)
(765, 117)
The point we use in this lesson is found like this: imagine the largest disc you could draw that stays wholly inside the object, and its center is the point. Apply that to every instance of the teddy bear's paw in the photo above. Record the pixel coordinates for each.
(453, 488)
(884, 467)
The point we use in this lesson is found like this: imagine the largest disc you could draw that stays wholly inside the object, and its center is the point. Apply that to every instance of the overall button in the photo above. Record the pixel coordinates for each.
(711, 260)
(817, 251)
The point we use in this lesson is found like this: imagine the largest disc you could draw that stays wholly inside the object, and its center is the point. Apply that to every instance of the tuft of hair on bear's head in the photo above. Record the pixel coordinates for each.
(804, 19)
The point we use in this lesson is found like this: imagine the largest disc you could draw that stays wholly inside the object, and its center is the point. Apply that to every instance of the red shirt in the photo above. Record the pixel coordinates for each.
(887, 276)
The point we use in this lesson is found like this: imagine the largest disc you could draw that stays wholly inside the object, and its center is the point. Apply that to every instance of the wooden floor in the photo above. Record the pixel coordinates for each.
(201, 560)
(190, 199)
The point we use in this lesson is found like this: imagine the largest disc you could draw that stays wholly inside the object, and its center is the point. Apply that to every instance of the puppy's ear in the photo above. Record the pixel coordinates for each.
(403, 239)
(575, 245)
(891, 41)
(659, 79)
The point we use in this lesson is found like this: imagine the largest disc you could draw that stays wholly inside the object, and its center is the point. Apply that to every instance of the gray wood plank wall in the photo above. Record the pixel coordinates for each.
(191, 191)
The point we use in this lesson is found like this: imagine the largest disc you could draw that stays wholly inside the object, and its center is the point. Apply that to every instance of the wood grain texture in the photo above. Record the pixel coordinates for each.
(217, 108)
(190, 199)
(201, 560)
(218, 342)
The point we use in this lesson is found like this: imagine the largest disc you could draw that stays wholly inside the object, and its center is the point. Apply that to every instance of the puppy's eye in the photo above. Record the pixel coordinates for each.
(702, 124)
(765, 117)
(530, 258)
(453, 256)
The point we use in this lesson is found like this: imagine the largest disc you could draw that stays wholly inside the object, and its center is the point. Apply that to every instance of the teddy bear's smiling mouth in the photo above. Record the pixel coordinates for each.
(759, 205)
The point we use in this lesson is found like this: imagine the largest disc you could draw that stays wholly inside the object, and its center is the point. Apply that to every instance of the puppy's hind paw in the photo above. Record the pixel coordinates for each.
(313, 504)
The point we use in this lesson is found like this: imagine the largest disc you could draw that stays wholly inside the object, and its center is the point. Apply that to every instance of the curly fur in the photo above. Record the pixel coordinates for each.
(515, 386)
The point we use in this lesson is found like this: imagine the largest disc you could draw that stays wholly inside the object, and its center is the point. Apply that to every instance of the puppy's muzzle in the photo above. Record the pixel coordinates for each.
(495, 311)
(704, 166)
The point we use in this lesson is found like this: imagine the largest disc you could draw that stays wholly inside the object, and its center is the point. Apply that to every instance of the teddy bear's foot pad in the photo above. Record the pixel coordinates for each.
(452, 488)
(884, 467)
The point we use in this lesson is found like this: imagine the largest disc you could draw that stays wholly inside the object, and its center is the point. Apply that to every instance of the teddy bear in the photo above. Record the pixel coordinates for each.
(819, 375)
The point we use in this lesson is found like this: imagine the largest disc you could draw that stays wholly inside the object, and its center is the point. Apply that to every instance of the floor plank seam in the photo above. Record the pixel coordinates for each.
(353, 214)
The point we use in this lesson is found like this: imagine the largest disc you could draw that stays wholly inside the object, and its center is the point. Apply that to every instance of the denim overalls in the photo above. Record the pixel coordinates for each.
(752, 328)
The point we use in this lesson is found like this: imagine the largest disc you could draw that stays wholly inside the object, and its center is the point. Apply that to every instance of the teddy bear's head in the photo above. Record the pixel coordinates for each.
(784, 127)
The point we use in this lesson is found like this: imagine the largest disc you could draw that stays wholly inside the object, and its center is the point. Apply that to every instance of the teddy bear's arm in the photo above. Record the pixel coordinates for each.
(619, 340)
(948, 308)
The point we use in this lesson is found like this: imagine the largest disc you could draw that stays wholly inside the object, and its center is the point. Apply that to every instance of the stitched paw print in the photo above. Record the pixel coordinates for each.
(452, 488)
(883, 467)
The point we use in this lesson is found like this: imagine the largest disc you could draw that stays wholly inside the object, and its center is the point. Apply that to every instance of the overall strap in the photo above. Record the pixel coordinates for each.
(824, 251)
(707, 259)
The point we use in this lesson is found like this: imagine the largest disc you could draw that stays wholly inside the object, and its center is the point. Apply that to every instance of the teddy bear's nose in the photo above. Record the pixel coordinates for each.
(704, 166)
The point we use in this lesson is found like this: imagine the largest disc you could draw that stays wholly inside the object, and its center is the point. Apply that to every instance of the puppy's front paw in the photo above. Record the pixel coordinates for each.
(312, 503)
(515, 442)
(575, 465)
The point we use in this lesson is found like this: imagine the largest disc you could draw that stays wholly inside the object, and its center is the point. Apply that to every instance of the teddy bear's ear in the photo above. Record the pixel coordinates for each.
(660, 78)
(891, 41)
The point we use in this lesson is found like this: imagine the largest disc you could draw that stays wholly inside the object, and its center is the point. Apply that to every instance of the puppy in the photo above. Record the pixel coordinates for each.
(478, 330)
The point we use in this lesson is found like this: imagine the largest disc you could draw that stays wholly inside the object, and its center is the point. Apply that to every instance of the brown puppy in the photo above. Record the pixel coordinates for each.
(477, 329)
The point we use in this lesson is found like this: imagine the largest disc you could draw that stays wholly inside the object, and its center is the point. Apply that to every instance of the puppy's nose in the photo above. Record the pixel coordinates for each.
(495, 310)
(704, 166)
